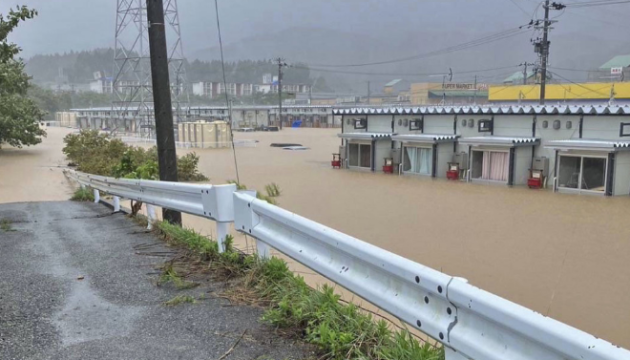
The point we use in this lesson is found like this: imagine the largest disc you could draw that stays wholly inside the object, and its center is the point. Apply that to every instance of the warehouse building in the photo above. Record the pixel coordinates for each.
(572, 149)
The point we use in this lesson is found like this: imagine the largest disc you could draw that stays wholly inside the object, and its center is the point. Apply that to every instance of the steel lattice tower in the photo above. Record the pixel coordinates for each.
(132, 87)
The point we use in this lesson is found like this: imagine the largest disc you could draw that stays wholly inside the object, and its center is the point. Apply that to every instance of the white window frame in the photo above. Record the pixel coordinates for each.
(358, 166)
(579, 190)
(418, 146)
(482, 180)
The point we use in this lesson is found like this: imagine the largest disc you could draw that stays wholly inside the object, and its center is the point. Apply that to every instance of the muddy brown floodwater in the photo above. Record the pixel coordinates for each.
(564, 256)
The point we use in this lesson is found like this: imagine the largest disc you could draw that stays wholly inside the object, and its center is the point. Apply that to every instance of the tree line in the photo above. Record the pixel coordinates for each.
(79, 68)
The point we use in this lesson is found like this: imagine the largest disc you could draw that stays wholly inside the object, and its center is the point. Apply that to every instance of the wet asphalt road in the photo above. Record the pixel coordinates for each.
(115, 311)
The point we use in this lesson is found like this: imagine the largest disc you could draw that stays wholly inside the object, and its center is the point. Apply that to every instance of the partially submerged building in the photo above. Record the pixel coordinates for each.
(578, 149)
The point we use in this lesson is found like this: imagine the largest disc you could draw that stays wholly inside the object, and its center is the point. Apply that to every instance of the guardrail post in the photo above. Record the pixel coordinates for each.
(97, 196)
(263, 250)
(222, 231)
(116, 204)
(150, 216)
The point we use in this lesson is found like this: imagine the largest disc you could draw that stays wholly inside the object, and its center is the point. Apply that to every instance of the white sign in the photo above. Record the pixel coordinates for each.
(616, 71)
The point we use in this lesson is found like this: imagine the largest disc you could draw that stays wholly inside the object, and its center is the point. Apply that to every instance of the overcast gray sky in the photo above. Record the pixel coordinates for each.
(64, 25)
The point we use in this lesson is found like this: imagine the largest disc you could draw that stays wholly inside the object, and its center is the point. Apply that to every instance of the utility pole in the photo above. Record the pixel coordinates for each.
(167, 156)
(544, 54)
(525, 65)
(281, 63)
(368, 93)
(544, 47)
(475, 97)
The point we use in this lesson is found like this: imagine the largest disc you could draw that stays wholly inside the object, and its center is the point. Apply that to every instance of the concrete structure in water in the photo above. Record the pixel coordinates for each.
(242, 116)
(573, 149)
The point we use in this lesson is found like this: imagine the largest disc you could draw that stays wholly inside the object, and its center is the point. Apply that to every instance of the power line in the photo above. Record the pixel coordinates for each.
(577, 5)
(397, 74)
(470, 44)
(520, 8)
(577, 84)
(227, 99)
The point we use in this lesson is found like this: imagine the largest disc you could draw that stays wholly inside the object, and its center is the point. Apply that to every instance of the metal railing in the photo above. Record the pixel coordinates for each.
(470, 322)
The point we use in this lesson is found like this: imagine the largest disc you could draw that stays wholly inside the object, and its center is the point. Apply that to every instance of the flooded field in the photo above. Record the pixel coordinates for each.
(562, 255)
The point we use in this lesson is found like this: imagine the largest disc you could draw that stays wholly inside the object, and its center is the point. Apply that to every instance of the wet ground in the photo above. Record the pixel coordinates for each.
(79, 282)
(562, 255)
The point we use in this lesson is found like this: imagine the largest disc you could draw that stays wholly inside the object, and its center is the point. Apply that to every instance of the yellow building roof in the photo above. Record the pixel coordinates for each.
(584, 91)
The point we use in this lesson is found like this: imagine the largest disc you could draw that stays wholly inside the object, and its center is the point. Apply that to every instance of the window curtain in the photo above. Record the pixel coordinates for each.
(410, 159)
(417, 160)
(499, 165)
(495, 166)
(424, 159)
(485, 168)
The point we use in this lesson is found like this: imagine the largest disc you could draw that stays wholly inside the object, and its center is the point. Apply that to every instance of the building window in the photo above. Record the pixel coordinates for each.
(484, 126)
(417, 160)
(545, 124)
(464, 122)
(399, 122)
(406, 122)
(569, 125)
(582, 173)
(556, 124)
(415, 124)
(490, 165)
(360, 155)
(360, 123)
(624, 129)
(349, 121)
(471, 123)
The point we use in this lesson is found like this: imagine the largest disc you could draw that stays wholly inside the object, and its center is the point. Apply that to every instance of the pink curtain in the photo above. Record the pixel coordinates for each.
(485, 167)
(499, 164)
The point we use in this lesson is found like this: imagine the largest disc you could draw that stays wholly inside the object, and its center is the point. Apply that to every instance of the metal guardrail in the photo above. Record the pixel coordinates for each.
(471, 323)
(214, 202)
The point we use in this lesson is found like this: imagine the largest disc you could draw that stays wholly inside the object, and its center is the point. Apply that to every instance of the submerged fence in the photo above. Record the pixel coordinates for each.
(469, 322)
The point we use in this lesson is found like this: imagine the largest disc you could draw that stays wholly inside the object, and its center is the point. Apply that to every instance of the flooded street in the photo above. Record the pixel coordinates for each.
(562, 255)
(34, 173)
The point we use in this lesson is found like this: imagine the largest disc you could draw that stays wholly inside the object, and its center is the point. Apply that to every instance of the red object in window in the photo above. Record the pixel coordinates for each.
(336, 164)
(388, 169)
(534, 183)
(452, 174)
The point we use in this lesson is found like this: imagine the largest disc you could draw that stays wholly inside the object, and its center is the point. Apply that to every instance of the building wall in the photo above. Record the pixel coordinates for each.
(522, 164)
(560, 92)
(445, 155)
(602, 127)
(467, 131)
(349, 128)
(550, 134)
(383, 150)
(621, 184)
(438, 124)
(401, 128)
(513, 125)
(379, 123)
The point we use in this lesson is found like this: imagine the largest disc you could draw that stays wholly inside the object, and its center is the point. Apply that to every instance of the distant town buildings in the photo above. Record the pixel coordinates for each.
(212, 89)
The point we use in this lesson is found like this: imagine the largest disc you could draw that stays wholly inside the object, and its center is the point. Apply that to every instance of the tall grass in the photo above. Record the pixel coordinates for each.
(340, 331)
(82, 194)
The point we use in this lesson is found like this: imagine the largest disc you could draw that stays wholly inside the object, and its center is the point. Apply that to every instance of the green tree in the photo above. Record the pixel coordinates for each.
(19, 115)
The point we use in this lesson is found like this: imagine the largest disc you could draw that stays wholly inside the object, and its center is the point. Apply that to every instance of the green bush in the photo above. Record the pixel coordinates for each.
(100, 154)
(188, 168)
(83, 194)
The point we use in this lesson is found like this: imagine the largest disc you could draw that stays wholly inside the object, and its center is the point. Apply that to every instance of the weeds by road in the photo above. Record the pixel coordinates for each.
(340, 331)
(5, 225)
(83, 194)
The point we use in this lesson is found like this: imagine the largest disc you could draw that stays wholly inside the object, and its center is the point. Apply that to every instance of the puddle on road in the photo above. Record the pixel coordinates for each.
(86, 316)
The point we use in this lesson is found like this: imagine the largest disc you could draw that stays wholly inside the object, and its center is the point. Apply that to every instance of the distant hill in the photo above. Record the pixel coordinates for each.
(317, 46)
